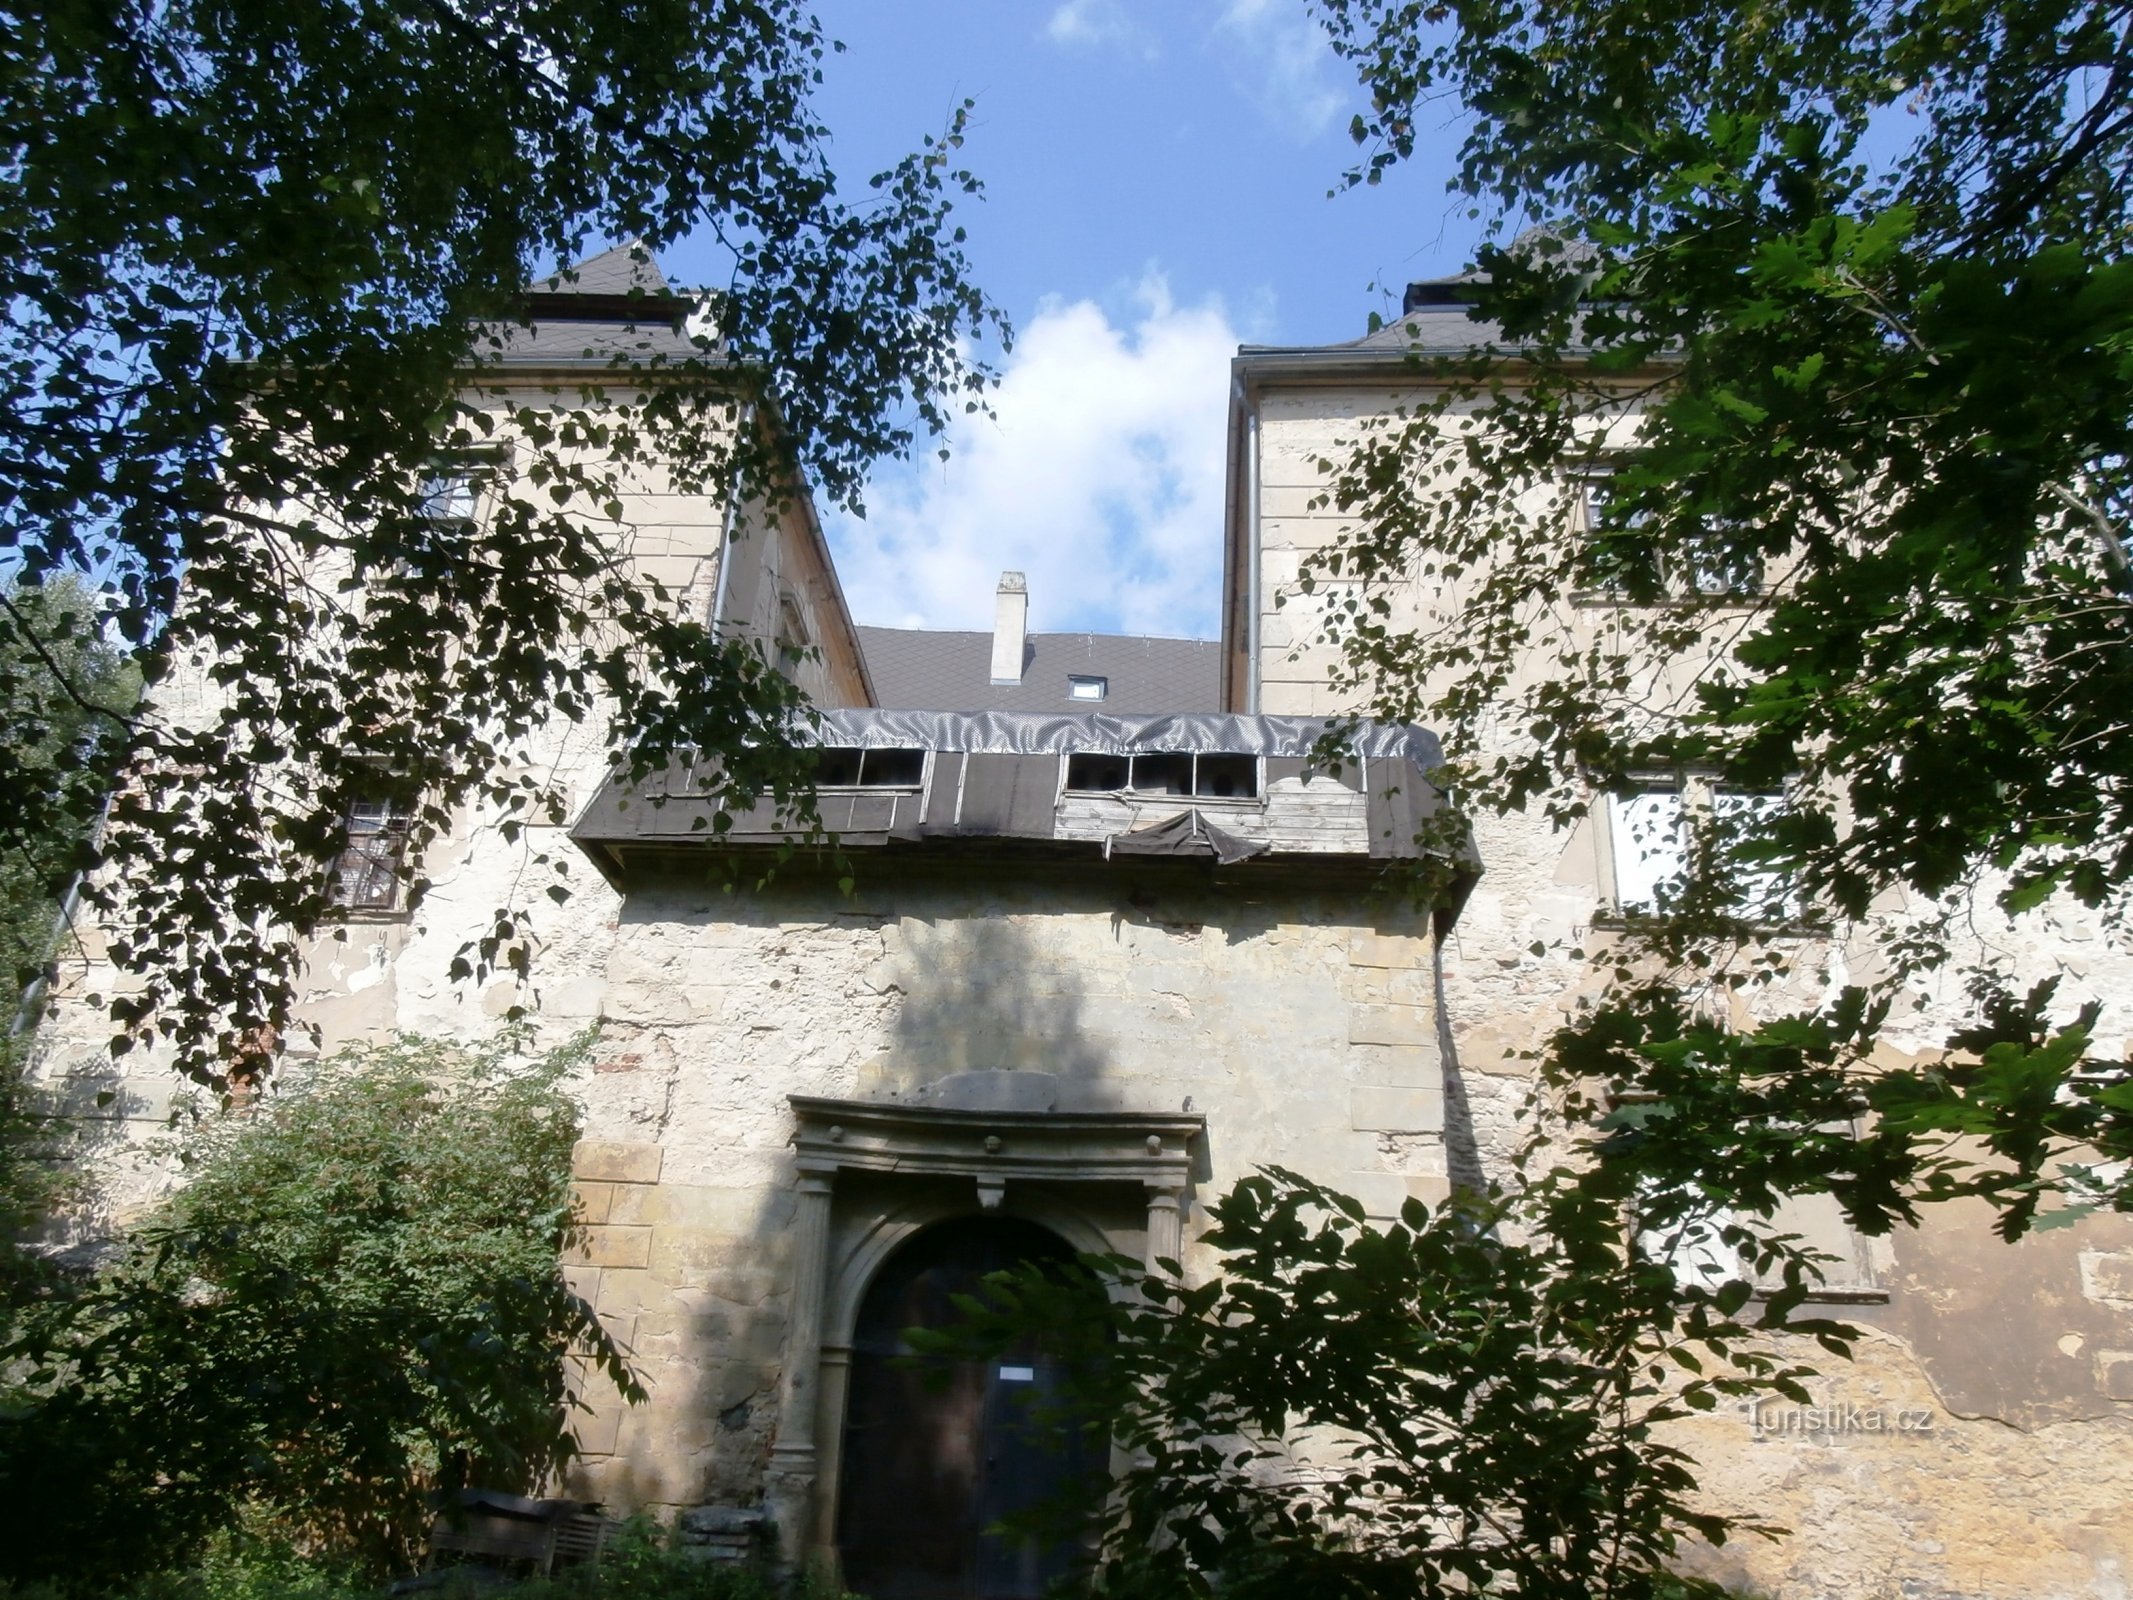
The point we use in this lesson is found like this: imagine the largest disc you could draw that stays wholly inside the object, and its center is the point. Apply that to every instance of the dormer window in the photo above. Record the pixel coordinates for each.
(1086, 686)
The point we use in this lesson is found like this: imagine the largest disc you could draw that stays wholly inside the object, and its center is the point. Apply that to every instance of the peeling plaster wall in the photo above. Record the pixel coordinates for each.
(2021, 1358)
(377, 974)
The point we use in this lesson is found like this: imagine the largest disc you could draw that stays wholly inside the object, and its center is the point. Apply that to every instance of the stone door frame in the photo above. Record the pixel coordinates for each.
(993, 1150)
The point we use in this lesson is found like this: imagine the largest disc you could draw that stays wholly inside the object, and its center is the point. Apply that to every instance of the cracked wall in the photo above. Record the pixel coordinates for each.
(1301, 1024)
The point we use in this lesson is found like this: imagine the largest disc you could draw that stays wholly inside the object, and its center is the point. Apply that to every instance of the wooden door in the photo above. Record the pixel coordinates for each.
(934, 1456)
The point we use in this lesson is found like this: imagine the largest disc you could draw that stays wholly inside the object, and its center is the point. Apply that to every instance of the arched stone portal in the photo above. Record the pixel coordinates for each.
(934, 1457)
(875, 1176)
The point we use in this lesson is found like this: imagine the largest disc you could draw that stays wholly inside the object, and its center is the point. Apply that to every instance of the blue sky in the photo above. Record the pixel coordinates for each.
(1157, 175)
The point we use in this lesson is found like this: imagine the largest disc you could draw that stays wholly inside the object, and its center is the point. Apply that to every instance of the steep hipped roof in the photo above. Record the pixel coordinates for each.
(1431, 329)
(1437, 318)
(916, 669)
(614, 306)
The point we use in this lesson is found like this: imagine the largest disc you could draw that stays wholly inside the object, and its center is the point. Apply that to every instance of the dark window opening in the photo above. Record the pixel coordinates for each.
(1178, 772)
(1097, 773)
(1226, 777)
(837, 769)
(870, 769)
(1165, 772)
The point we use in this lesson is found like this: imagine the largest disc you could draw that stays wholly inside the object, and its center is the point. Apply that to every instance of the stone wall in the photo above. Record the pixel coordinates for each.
(1301, 1024)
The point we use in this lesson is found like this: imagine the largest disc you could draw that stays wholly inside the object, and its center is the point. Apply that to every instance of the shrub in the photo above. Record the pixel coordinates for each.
(355, 1302)
(640, 1564)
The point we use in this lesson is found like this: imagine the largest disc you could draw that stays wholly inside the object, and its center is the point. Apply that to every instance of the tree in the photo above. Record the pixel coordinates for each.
(354, 1302)
(258, 255)
(1470, 1400)
(1861, 271)
(65, 694)
(65, 697)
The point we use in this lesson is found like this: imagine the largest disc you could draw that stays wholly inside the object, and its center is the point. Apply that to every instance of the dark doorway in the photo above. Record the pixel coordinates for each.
(931, 1465)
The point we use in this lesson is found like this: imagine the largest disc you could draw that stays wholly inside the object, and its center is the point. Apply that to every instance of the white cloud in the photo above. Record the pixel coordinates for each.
(1287, 64)
(1093, 23)
(1101, 478)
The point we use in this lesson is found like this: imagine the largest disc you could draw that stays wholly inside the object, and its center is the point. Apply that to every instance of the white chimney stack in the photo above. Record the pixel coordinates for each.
(1010, 628)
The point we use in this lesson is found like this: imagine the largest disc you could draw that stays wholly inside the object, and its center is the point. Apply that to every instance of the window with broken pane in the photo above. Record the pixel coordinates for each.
(366, 876)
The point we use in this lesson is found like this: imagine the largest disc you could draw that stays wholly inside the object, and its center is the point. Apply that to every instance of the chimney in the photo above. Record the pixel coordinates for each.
(1010, 628)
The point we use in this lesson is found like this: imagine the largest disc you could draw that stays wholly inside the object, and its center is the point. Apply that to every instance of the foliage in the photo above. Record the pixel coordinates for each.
(1470, 1400)
(63, 699)
(354, 1302)
(1860, 270)
(261, 259)
(639, 1563)
(64, 696)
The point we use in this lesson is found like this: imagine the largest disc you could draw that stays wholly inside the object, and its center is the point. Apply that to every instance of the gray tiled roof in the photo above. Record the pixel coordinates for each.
(917, 669)
(625, 268)
(619, 306)
(571, 341)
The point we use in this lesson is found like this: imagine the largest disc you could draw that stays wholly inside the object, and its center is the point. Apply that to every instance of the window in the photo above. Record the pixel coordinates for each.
(1695, 1249)
(1649, 844)
(1623, 561)
(840, 768)
(1083, 687)
(1716, 566)
(449, 493)
(1652, 829)
(1741, 816)
(1697, 1252)
(793, 633)
(366, 875)
(1209, 776)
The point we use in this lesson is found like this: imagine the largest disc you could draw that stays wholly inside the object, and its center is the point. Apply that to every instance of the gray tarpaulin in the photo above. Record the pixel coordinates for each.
(997, 780)
(1042, 733)
(1186, 834)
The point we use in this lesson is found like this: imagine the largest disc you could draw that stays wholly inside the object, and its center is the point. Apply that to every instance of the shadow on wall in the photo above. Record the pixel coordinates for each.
(919, 991)
(1462, 1149)
(721, 1006)
(982, 1001)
